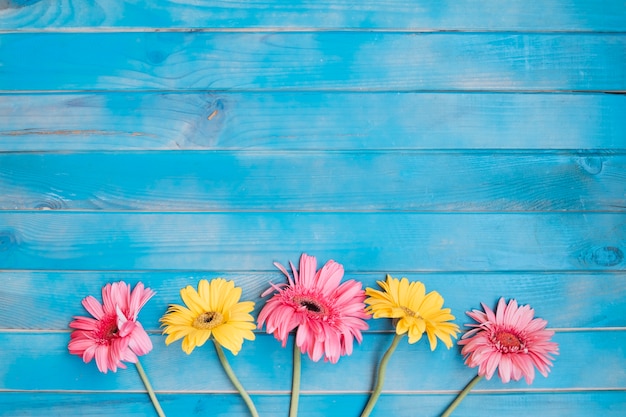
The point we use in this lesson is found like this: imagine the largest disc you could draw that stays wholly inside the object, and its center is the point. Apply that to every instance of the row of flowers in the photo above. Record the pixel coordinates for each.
(327, 317)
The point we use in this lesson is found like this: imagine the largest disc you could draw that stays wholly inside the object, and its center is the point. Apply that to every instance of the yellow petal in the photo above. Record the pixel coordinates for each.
(229, 337)
(192, 300)
(415, 295)
(188, 345)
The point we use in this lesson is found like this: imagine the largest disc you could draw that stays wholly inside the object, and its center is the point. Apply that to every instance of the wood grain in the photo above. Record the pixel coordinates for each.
(314, 181)
(364, 241)
(312, 61)
(172, 370)
(565, 300)
(313, 121)
(473, 145)
(575, 404)
(559, 15)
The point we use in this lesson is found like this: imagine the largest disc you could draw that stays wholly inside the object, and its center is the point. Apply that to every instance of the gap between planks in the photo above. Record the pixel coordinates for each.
(331, 393)
(304, 29)
(300, 89)
(262, 332)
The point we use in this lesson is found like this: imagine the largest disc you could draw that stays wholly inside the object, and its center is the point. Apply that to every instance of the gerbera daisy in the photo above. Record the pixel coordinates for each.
(327, 316)
(113, 336)
(213, 310)
(416, 312)
(511, 340)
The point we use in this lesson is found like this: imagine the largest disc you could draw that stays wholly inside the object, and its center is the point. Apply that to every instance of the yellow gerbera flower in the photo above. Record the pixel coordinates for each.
(213, 310)
(416, 312)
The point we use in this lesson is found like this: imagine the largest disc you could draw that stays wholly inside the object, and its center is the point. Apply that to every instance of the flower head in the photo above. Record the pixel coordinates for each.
(113, 335)
(328, 316)
(416, 312)
(509, 339)
(213, 310)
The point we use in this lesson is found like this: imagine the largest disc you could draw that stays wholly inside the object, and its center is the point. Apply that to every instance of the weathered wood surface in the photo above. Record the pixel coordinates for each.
(464, 15)
(361, 241)
(476, 146)
(174, 371)
(313, 61)
(236, 181)
(312, 121)
(562, 296)
(605, 403)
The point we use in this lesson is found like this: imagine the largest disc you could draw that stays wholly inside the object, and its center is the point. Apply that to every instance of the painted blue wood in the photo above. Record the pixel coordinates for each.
(481, 15)
(469, 144)
(311, 120)
(319, 121)
(263, 366)
(384, 242)
(246, 181)
(565, 300)
(312, 61)
(575, 404)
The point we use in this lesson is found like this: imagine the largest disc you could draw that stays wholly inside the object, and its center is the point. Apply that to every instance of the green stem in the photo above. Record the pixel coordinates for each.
(234, 380)
(295, 381)
(146, 383)
(380, 378)
(461, 395)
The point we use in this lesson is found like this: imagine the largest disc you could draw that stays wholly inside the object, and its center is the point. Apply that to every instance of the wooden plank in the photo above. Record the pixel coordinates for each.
(580, 300)
(574, 404)
(47, 355)
(322, 121)
(365, 14)
(364, 241)
(253, 181)
(312, 61)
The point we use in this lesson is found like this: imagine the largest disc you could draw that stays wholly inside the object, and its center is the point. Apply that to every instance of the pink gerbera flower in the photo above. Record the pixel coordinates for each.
(114, 335)
(510, 339)
(327, 316)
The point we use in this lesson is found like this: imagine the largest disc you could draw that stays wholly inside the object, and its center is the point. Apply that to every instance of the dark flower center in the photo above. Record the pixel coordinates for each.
(107, 329)
(208, 320)
(508, 342)
(311, 305)
(112, 332)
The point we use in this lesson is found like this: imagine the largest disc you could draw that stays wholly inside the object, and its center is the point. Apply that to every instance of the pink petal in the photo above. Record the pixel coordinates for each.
(102, 359)
(505, 368)
(329, 277)
(140, 342)
(84, 323)
(500, 311)
(307, 271)
(93, 307)
(108, 304)
(295, 274)
(138, 298)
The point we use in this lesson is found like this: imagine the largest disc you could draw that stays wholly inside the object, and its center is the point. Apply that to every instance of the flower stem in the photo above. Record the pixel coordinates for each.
(295, 381)
(461, 395)
(380, 378)
(146, 383)
(234, 380)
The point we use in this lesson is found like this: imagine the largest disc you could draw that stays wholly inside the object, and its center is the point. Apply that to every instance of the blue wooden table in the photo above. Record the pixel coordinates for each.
(478, 146)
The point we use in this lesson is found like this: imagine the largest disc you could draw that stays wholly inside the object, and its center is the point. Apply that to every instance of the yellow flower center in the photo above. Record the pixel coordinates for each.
(208, 320)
